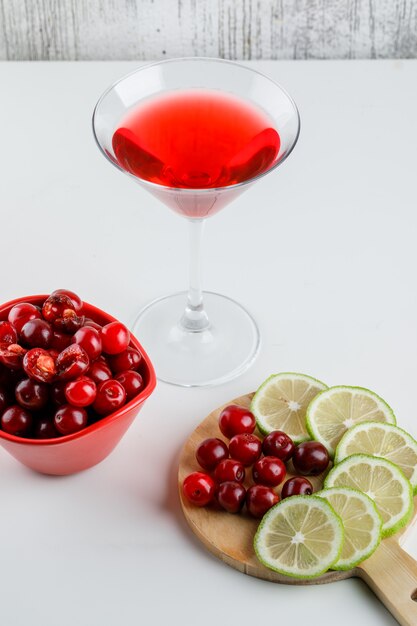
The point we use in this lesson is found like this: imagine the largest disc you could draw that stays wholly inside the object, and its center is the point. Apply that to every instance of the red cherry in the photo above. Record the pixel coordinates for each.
(231, 496)
(278, 444)
(110, 397)
(72, 362)
(11, 355)
(4, 400)
(115, 337)
(77, 303)
(22, 313)
(259, 499)
(130, 359)
(39, 365)
(60, 312)
(70, 419)
(81, 391)
(57, 393)
(235, 420)
(245, 448)
(57, 306)
(229, 469)
(60, 340)
(92, 324)
(310, 458)
(131, 381)
(269, 471)
(31, 395)
(199, 488)
(45, 429)
(296, 486)
(210, 452)
(99, 372)
(37, 334)
(89, 339)
(8, 333)
(16, 421)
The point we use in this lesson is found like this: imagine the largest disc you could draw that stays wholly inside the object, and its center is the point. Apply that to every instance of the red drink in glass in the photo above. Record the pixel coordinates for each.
(196, 139)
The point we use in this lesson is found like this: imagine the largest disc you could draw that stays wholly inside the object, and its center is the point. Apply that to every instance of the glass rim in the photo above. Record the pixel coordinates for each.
(198, 190)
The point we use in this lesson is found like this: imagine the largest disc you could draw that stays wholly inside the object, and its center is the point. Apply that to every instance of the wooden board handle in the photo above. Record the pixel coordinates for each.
(391, 573)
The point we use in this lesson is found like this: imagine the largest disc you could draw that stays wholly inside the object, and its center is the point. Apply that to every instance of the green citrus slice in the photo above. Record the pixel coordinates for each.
(384, 440)
(300, 537)
(382, 481)
(281, 402)
(336, 409)
(361, 522)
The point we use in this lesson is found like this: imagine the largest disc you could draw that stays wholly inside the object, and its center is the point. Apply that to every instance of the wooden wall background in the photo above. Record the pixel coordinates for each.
(233, 29)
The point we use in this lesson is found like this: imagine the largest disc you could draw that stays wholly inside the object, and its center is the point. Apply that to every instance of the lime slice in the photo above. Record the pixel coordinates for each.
(382, 481)
(300, 537)
(361, 521)
(384, 440)
(281, 402)
(336, 409)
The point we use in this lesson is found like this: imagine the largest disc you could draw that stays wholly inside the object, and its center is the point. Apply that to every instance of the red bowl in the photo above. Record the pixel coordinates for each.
(76, 452)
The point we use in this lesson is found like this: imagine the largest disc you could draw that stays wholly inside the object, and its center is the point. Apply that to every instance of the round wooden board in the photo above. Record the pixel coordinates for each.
(230, 537)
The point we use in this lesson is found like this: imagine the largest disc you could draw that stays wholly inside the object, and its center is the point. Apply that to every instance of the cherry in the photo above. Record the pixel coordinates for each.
(210, 452)
(39, 365)
(99, 371)
(110, 397)
(81, 391)
(130, 359)
(269, 470)
(57, 306)
(59, 310)
(89, 339)
(8, 333)
(245, 448)
(297, 486)
(199, 488)
(22, 313)
(3, 400)
(278, 444)
(259, 499)
(57, 393)
(310, 458)
(231, 496)
(11, 355)
(77, 303)
(60, 340)
(16, 421)
(235, 420)
(92, 324)
(132, 383)
(72, 362)
(229, 470)
(45, 429)
(115, 337)
(70, 419)
(31, 394)
(37, 334)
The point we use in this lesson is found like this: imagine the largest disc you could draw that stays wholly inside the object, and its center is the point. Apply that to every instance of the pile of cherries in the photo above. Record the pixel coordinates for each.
(60, 371)
(228, 465)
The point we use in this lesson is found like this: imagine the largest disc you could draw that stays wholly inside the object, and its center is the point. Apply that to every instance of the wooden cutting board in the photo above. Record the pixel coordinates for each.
(390, 572)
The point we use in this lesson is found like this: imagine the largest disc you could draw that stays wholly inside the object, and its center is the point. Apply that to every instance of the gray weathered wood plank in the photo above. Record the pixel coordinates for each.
(233, 29)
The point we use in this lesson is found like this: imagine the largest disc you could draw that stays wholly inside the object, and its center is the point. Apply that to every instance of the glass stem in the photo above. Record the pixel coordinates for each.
(195, 318)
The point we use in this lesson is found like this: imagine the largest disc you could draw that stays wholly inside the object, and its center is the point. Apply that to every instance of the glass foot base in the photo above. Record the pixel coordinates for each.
(195, 359)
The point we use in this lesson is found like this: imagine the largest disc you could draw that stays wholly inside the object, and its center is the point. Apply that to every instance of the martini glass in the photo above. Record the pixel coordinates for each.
(196, 338)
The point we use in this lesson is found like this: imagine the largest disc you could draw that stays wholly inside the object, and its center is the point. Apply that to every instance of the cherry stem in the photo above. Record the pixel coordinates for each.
(195, 318)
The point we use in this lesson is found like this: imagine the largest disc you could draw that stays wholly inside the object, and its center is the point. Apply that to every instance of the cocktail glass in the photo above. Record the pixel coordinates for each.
(197, 338)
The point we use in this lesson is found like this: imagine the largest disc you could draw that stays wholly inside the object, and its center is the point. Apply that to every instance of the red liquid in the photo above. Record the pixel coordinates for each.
(196, 140)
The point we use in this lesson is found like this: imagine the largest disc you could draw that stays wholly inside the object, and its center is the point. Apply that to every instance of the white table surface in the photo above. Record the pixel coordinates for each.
(322, 251)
